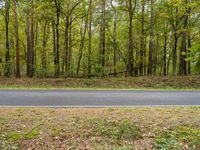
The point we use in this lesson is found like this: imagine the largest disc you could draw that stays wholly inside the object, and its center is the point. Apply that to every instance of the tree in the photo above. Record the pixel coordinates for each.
(16, 39)
(90, 17)
(57, 38)
(151, 41)
(131, 9)
(30, 40)
(7, 56)
(102, 38)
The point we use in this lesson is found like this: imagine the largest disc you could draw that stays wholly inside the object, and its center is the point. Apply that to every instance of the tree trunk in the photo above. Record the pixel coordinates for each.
(54, 46)
(28, 37)
(151, 41)
(115, 41)
(16, 39)
(90, 38)
(83, 33)
(44, 44)
(66, 44)
(130, 49)
(57, 40)
(189, 62)
(142, 41)
(174, 52)
(70, 48)
(165, 56)
(183, 63)
(102, 38)
(7, 56)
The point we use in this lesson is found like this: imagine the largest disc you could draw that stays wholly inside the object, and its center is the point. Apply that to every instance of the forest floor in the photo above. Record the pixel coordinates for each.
(101, 129)
(153, 82)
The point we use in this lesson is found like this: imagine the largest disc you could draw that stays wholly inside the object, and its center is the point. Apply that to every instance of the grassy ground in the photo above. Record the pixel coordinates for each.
(100, 129)
(169, 82)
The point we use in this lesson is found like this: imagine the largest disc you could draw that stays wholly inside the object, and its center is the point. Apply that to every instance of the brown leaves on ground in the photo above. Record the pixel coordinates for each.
(135, 82)
(84, 129)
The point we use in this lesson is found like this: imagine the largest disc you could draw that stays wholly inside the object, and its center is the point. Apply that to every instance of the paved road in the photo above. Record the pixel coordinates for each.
(99, 98)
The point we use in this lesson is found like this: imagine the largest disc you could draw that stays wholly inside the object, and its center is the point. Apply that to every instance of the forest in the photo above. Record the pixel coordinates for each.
(99, 38)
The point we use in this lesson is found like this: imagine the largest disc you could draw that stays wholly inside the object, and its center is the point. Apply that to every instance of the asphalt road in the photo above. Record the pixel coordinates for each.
(99, 98)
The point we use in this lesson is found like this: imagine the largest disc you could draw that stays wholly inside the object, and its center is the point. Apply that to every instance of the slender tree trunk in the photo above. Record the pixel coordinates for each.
(90, 38)
(103, 38)
(70, 48)
(115, 41)
(142, 41)
(35, 45)
(165, 56)
(30, 42)
(57, 36)
(183, 63)
(83, 33)
(189, 62)
(54, 45)
(7, 56)
(16, 39)
(151, 41)
(130, 66)
(44, 44)
(28, 37)
(66, 44)
(174, 52)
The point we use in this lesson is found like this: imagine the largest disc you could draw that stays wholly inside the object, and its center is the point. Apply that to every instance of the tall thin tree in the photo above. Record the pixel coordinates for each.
(16, 38)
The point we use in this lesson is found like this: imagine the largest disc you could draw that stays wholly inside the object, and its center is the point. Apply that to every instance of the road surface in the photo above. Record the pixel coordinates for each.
(96, 98)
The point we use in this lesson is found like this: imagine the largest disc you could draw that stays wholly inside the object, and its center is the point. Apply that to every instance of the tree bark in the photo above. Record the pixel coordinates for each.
(183, 63)
(165, 56)
(83, 33)
(16, 39)
(130, 66)
(151, 41)
(66, 44)
(57, 40)
(90, 38)
(115, 41)
(102, 38)
(7, 56)
(142, 41)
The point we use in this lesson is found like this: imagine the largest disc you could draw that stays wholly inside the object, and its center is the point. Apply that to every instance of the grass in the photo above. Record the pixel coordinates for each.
(159, 82)
(103, 128)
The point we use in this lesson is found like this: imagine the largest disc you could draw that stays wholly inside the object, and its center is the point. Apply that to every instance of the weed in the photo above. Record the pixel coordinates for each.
(14, 136)
(32, 134)
(178, 138)
(119, 129)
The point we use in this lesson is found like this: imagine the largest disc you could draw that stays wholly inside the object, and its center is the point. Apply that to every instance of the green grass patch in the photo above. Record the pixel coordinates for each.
(32, 134)
(178, 138)
(117, 129)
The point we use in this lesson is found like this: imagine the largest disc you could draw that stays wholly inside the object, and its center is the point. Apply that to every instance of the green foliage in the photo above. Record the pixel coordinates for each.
(178, 139)
(118, 130)
(15, 136)
(32, 134)
(194, 56)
